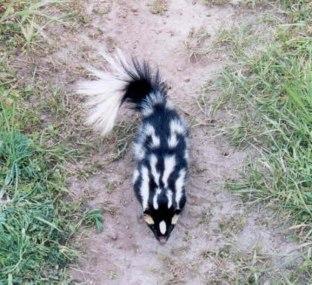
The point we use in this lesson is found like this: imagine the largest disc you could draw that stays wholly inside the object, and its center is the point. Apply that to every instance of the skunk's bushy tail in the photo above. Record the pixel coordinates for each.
(125, 80)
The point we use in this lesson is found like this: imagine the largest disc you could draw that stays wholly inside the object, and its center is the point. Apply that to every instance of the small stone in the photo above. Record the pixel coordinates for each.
(187, 80)
(114, 236)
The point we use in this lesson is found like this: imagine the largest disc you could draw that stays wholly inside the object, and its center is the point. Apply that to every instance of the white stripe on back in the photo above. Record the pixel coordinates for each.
(136, 175)
(155, 199)
(169, 197)
(169, 165)
(153, 163)
(144, 190)
(179, 186)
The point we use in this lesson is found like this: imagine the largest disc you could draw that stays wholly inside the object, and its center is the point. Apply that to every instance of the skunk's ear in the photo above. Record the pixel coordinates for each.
(147, 217)
(175, 217)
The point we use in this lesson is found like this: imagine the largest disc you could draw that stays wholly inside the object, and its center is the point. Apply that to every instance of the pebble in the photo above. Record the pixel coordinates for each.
(114, 236)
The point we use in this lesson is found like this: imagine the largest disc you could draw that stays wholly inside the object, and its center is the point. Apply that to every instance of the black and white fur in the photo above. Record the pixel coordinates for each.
(160, 147)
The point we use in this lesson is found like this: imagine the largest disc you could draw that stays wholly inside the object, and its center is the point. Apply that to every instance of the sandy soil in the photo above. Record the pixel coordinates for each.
(218, 239)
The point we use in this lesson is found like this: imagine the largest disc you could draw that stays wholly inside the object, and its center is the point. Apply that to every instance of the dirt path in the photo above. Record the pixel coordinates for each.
(218, 239)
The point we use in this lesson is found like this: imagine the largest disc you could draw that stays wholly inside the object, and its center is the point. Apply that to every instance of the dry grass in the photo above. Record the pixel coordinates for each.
(159, 7)
(196, 43)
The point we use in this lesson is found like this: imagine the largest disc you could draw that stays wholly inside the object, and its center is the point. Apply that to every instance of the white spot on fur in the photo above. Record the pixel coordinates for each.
(169, 105)
(152, 100)
(179, 186)
(162, 227)
(174, 219)
(147, 112)
(144, 190)
(139, 151)
(172, 141)
(176, 128)
(138, 146)
(150, 131)
(170, 163)
(155, 199)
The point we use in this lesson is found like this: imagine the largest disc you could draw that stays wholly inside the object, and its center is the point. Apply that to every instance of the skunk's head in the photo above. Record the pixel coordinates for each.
(160, 218)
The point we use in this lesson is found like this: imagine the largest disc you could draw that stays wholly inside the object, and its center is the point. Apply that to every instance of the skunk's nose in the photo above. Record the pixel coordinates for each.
(162, 240)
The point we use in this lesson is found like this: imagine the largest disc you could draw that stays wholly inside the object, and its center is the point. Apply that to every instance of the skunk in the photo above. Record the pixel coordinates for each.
(161, 143)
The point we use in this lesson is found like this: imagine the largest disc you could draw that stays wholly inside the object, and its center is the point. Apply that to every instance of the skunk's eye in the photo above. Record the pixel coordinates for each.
(148, 219)
(174, 219)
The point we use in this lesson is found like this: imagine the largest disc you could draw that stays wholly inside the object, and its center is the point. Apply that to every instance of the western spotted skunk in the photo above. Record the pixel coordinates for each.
(160, 146)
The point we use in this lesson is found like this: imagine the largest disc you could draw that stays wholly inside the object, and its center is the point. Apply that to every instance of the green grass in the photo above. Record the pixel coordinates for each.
(34, 227)
(272, 91)
(21, 21)
(37, 216)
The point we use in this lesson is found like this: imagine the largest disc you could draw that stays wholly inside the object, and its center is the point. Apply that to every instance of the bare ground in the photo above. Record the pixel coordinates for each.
(218, 238)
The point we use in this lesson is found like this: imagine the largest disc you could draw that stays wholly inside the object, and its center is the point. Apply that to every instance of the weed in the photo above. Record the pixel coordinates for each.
(196, 43)
(231, 226)
(34, 227)
(245, 3)
(272, 92)
(121, 139)
(20, 21)
(159, 7)
(217, 2)
(37, 218)
(94, 217)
